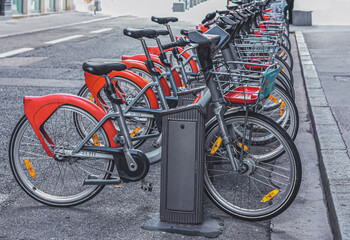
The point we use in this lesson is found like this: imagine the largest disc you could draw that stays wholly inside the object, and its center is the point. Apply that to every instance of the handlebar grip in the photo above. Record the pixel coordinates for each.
(179, 43)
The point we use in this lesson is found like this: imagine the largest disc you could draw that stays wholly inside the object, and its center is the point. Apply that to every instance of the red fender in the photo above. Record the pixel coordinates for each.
(155, 59)
(96, 83)
(39, 109)
(141, 65)
(155, 51)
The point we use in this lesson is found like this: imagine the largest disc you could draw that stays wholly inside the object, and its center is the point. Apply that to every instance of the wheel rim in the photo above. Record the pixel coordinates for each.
(58, 181)
(237, 193)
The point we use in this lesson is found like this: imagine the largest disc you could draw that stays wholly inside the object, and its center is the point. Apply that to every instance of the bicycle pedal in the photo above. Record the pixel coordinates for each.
(147, 186)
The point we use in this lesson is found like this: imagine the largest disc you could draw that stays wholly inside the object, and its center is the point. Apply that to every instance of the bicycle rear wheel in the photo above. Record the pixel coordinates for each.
(139, 126)
(58, 180)
(266, 185)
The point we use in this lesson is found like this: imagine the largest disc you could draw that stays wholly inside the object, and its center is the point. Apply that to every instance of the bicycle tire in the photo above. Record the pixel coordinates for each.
(286, 115)
(286, 55)
(146, 125)
(285, 68)
(232, 192)
(41, 177)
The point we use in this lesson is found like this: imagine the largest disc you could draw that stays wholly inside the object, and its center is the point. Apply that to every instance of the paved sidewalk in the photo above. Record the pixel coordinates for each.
(324, 54)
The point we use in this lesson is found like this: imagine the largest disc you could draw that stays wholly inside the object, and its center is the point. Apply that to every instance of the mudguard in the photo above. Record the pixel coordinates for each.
(155, 58)
(39, 109)
(155, 51)
(96, 83)
(141, 65)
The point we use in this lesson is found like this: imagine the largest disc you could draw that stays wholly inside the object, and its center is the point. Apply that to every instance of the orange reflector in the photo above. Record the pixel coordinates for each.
(96, 140)
(118, 186)
(283, 105)
(270, 195)
(30, 168)
(273, 99)
(91, 98)
(283, 53)
(216, 146)
(283, 70)
(133, 133)
(245, 146)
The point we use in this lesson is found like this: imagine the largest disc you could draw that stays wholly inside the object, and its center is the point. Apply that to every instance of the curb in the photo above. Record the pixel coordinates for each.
(332, 151)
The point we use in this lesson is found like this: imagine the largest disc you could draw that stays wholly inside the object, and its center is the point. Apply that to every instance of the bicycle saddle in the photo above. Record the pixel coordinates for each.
(140, 33)
(162, 32)
(100, 68)
(164, 20)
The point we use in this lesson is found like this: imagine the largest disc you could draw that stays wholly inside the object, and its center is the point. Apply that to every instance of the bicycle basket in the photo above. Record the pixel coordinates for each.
(257, 53)
(246, 87)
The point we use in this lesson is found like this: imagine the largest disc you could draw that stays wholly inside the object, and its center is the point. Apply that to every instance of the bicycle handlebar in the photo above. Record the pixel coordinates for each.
(181, 42)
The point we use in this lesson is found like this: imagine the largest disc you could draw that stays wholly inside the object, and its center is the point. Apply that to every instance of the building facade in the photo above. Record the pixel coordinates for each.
(30, 7)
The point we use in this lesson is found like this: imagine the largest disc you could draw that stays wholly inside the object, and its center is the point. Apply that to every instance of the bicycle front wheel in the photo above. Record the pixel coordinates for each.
(58, 180)
(265, 185)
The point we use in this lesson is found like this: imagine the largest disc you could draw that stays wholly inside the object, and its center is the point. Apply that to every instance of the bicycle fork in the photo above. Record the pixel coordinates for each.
(219, 110)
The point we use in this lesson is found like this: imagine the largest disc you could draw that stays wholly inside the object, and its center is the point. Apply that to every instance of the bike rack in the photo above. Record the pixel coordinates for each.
(182, 175)
(188, 96)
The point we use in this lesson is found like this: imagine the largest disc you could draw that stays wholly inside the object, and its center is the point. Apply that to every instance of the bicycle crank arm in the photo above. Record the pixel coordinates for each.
(102, 181)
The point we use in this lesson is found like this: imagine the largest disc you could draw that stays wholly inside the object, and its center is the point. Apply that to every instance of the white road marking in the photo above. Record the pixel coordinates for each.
(56, 27)
(15, 52)
(63, 39)
(101, 30)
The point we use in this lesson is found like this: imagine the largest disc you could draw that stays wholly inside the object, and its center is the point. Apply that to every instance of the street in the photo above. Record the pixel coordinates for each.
(54, 65)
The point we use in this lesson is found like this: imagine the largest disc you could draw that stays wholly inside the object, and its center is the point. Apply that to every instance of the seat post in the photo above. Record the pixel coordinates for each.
(177, 53)
(170, 32)
(167, 66)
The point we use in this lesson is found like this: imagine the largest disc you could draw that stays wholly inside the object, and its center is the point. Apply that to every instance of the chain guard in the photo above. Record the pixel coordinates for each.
(132, 176)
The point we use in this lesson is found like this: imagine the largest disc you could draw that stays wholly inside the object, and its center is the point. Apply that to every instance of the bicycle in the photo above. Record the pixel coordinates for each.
(91, 155)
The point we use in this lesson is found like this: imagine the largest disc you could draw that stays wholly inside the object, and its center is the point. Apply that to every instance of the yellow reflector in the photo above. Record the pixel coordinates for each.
(245, 146)
(283, 105)
(273, 99)
(283, 53)
(270, 195)
(133, 133)
(283, 70)
(216, 146)
(91, 98)
(96, 140)
(30, 168)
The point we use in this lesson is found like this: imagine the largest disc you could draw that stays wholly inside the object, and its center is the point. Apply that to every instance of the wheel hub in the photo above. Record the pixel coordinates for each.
(248, 166)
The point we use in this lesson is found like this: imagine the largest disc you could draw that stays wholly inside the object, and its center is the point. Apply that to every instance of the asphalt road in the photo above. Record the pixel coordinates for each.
(117, 213)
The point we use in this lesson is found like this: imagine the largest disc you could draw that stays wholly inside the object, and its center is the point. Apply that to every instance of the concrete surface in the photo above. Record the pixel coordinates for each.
(118, 213)
(329, 106)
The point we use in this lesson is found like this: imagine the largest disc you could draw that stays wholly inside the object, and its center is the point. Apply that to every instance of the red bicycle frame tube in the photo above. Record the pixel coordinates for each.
(143, 58)
(96, 84)
(141, 65)
(155, 51)
(39, 109)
